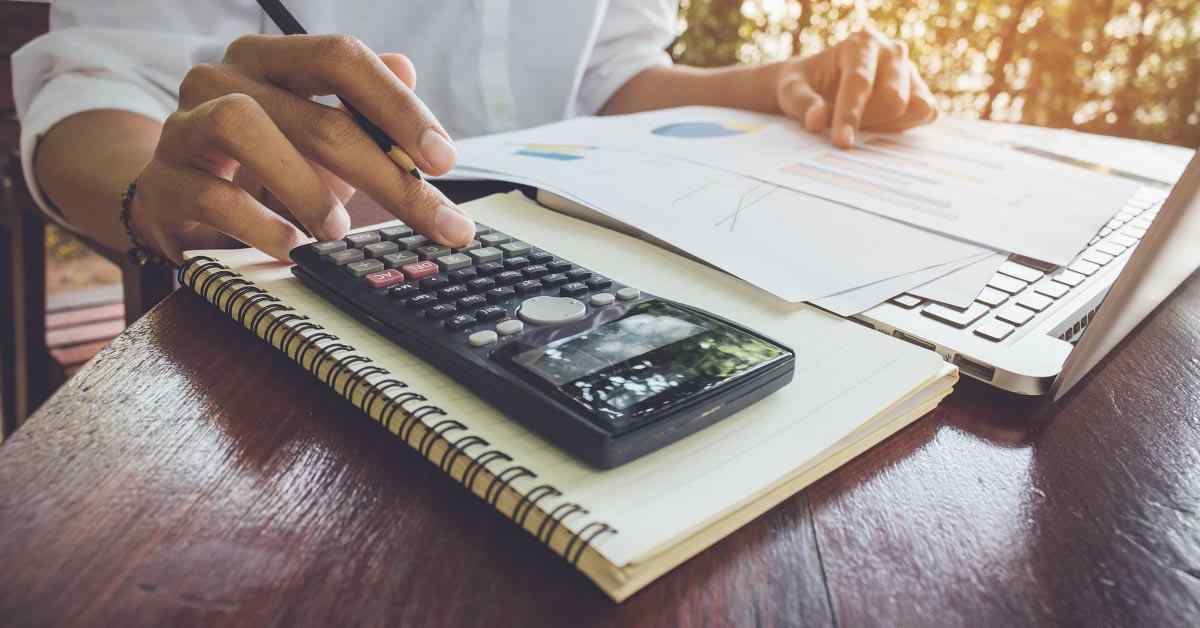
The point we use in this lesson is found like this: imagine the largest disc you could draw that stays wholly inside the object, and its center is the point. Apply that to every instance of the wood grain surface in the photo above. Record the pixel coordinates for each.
(190, 475)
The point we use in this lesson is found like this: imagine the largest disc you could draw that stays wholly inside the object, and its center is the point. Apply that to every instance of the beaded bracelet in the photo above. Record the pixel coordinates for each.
(139, 253)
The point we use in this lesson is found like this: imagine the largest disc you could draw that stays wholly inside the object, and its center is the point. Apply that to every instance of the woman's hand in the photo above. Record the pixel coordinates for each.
(251, 119)
(865, 81)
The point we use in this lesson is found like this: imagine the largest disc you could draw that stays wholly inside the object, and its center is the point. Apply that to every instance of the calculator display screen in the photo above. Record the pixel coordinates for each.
(654, 356)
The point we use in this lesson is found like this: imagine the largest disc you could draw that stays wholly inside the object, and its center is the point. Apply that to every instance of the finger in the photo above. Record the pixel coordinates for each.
(922, 107)
(893, 88)
(859, 61)
(227, 208)
(236, 125)
(401, 66)
(799, 101)
(342, 65)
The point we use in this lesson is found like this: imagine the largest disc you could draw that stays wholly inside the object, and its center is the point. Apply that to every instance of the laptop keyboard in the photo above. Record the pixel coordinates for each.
(1022, 288)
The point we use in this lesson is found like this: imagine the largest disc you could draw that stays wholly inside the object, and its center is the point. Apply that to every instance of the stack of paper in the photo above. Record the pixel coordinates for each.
(932, 212)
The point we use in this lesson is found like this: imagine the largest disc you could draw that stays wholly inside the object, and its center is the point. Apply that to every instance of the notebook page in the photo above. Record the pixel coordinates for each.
(845, 375)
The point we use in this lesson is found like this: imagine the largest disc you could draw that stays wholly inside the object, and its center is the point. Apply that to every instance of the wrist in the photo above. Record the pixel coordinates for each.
(139, 252)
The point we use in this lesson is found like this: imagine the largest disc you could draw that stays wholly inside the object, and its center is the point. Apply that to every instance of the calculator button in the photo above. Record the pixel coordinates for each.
(486, 254)
(546, 310)
(433, 283)
(628, 294)
(432, 251)
(535, 271)
(598, 283)
(954, 316)
(471, 301)
(509, 327)
(558, 265)
(342, 258)
(481, 229)
(490, 313)
(421, 301)
(557, 279)
(385, 278)
(991, 297)
(496, 295)
(396, 260)
(490, 268)
(471, 246)
(418, 270)
(508, 277)
(403, 291)
(359, 240)
(528, 286)
(364, 267)
(463, 275)
(513, 263)
(493, 239)
(460, 321)
(538, 256)
(441, 311)
(395, 232)
(994, 330)
(454, 261)
(379, 249)
(408, 243)
(481, 284)
(482, 338)
(515, 248)
(452, 292)
(579, 274)
(1015, 314)
(601, 299)
(329, 246)
(572, 289)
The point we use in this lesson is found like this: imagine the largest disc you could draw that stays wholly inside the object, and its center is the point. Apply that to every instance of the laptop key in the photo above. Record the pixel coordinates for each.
(1007, 284)
(1034, 301)
(994, 330)
(1123, 240)
(1069, 278)
(992, 297)
(1142, 222)
(955, 317)
(1133, 232)
(1096, 257)
(1015, 314)
(906, 301)
(1110, 248)
(1052, 289)
(1024, 273)
(1084, 267)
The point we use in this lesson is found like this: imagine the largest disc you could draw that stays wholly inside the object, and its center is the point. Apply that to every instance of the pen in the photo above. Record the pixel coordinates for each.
(288, 24)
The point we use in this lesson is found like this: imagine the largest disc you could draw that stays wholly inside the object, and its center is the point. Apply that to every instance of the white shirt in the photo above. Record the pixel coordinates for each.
(483, 66)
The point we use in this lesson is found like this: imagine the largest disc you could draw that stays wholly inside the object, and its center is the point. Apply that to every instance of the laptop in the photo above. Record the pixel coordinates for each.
(1038, 329)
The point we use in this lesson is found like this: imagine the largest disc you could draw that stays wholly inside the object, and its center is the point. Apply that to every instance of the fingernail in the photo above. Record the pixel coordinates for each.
(437, 150)
(452, 226)
(846, 136)
(336, 224)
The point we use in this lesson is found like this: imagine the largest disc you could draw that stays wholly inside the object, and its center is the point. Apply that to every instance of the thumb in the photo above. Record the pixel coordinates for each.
(800, 102)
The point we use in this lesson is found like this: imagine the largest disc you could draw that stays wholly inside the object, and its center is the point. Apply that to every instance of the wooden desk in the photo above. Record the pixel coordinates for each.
(190, 475)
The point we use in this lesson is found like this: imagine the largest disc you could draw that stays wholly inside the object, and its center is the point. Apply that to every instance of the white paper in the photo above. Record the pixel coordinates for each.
(959, 288)
(863, 298)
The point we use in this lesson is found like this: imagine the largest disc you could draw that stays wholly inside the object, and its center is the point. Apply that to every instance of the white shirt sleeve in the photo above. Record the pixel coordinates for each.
(633, 37)
(128, 55)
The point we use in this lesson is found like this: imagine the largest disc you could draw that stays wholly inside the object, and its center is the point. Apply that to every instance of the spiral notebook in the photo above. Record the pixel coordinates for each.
(624, 527)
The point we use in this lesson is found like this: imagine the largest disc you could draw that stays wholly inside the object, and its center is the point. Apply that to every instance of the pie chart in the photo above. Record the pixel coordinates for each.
(701, 130)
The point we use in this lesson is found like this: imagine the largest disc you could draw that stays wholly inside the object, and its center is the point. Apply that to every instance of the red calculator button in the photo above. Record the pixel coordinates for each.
(385, 278)
(417, 270)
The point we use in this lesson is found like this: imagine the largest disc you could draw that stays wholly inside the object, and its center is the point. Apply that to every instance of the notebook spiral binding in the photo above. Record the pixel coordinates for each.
(304, 336)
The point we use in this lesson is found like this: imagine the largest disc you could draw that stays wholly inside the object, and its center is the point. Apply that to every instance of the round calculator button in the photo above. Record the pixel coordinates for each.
(601, 299)
(482, 338)
(628, 294)
(546, 310)
(509, 327)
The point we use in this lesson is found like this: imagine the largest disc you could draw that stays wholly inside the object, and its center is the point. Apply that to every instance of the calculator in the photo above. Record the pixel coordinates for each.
(603, 370)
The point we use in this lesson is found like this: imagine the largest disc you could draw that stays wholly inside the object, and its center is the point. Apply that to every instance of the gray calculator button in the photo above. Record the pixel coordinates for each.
(628, 294)
(396, 260)
(547, 310)
(379, 249)
(359, 240)
(409, 243)
(432, 251)
(482, 338)
(486, 254)
(514, 248)
(329, 246)
(481, 229)
(395, 232)
(509, 327)
(364, 267)
(471, 246)
(453, 262)
(601, 299)
(342, 258)
(493, 239)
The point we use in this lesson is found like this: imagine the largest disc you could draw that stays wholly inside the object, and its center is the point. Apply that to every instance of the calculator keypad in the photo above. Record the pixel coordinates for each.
(473, 289)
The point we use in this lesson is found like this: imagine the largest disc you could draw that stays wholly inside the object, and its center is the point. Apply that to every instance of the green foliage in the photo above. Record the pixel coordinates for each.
(1117, 67)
